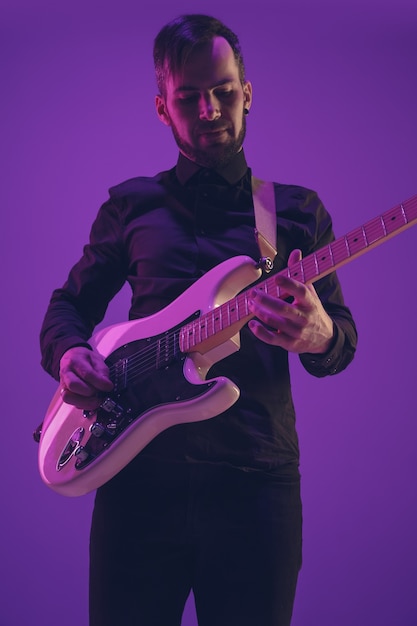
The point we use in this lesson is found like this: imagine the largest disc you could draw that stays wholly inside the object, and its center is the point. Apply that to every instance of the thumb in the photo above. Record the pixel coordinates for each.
(295, 256)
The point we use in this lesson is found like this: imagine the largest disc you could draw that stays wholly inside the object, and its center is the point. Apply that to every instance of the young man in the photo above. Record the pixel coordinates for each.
(211, 506)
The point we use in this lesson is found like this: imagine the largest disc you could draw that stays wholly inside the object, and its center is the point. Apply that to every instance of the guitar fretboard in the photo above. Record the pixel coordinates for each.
(234, 313)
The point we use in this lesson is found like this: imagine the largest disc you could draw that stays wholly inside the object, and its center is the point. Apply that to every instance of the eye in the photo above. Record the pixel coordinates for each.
(224, 93)
(187, 96)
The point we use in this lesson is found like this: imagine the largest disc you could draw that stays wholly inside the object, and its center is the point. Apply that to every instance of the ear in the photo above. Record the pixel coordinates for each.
(247, 95)
(161, 110)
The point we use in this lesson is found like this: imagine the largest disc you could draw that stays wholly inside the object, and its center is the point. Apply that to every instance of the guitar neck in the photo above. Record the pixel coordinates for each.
(218, 325)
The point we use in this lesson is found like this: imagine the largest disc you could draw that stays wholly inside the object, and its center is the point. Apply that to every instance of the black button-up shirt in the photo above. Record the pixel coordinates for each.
(163, 233)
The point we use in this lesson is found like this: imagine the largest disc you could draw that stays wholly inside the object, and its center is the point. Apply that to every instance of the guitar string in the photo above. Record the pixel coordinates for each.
(145, 359)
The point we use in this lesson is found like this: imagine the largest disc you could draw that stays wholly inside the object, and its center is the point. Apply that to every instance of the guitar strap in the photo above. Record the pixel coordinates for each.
(263, 193)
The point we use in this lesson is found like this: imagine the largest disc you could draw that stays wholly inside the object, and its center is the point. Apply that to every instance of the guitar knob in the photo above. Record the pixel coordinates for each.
(81, 454)
(97, 429)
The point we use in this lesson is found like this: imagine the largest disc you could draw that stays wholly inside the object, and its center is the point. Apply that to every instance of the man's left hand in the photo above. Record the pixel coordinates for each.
(301, 325)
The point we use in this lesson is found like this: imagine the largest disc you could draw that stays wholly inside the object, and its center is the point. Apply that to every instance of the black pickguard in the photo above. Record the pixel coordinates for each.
(147, 373)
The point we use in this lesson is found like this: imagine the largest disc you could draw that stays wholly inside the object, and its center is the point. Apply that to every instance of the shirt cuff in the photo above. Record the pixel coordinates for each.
(327, 363)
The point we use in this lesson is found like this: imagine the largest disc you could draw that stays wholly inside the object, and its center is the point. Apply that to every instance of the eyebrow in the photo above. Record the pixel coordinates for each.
(222, 82)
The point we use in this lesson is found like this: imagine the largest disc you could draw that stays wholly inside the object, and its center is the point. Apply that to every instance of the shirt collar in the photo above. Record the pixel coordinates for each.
(232, 172)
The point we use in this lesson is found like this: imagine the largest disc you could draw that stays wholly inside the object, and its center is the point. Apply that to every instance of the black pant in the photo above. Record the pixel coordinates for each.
(160, 530)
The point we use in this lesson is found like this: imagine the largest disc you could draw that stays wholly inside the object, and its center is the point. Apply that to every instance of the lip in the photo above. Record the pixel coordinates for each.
(212, 131)
(209, 128)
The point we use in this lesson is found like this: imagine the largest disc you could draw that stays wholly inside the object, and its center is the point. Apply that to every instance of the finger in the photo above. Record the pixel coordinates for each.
(295, 257)
(276, 338)
(267, 335)
(87, 403)
(73, 384)
(273, 337)
(97, 380)
(80, 388)
(278, 330)
(82, 379)
(81, 364)
(275, 311)
(288, 287)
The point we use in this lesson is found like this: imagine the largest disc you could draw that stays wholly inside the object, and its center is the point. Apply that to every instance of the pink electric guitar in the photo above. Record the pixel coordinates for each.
(159, 364)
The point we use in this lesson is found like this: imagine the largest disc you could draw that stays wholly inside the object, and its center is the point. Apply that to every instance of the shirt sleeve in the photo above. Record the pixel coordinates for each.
(343, 347)
(305, 223)
(75, 309)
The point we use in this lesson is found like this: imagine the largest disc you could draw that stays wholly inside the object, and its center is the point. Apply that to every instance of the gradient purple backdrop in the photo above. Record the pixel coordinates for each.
(335, 108)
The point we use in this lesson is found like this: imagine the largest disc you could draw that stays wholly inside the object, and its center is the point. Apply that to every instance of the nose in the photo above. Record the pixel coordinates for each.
(209, 108)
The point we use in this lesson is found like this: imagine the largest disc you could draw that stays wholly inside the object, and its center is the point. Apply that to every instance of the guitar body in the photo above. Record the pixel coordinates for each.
(156, 386)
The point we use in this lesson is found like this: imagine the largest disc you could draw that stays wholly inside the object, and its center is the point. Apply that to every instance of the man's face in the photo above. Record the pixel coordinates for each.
(204, 105)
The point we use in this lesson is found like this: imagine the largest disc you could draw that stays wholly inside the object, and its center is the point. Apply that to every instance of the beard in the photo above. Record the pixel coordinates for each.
(215, 156)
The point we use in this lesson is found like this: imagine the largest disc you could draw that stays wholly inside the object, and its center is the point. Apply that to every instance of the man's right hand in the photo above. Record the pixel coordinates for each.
(84, 378)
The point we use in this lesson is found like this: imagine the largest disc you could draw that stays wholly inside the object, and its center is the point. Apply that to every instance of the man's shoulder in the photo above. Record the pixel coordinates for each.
(292, 189)
(143, 187)
(296, 197)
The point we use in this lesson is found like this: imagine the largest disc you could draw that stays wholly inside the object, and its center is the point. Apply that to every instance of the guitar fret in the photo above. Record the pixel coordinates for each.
(364, 236)
(246, 310)
(310, 268)
(316, 264)
(383, 225)
(331, 254)
(394, 219)
(241, 307)
(355, 241)
(230, 310)
(234, 311)
(347, 245)
(267, 287)
(375, 230)
(295, 270)
(193, 335)
(176, 344)
(183, 334)
(219, 318)
(324, 260)
(195, 326)
(227, 306)
(203, 327)
(339, 252)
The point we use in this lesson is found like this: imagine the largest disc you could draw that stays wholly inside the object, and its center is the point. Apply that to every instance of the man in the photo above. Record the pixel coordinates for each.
(211, 506)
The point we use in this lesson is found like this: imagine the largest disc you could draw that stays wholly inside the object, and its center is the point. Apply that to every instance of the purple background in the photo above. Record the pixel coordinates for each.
(335, 104)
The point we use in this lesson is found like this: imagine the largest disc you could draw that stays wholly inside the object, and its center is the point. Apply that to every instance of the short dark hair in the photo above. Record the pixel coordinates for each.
(176, 40)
